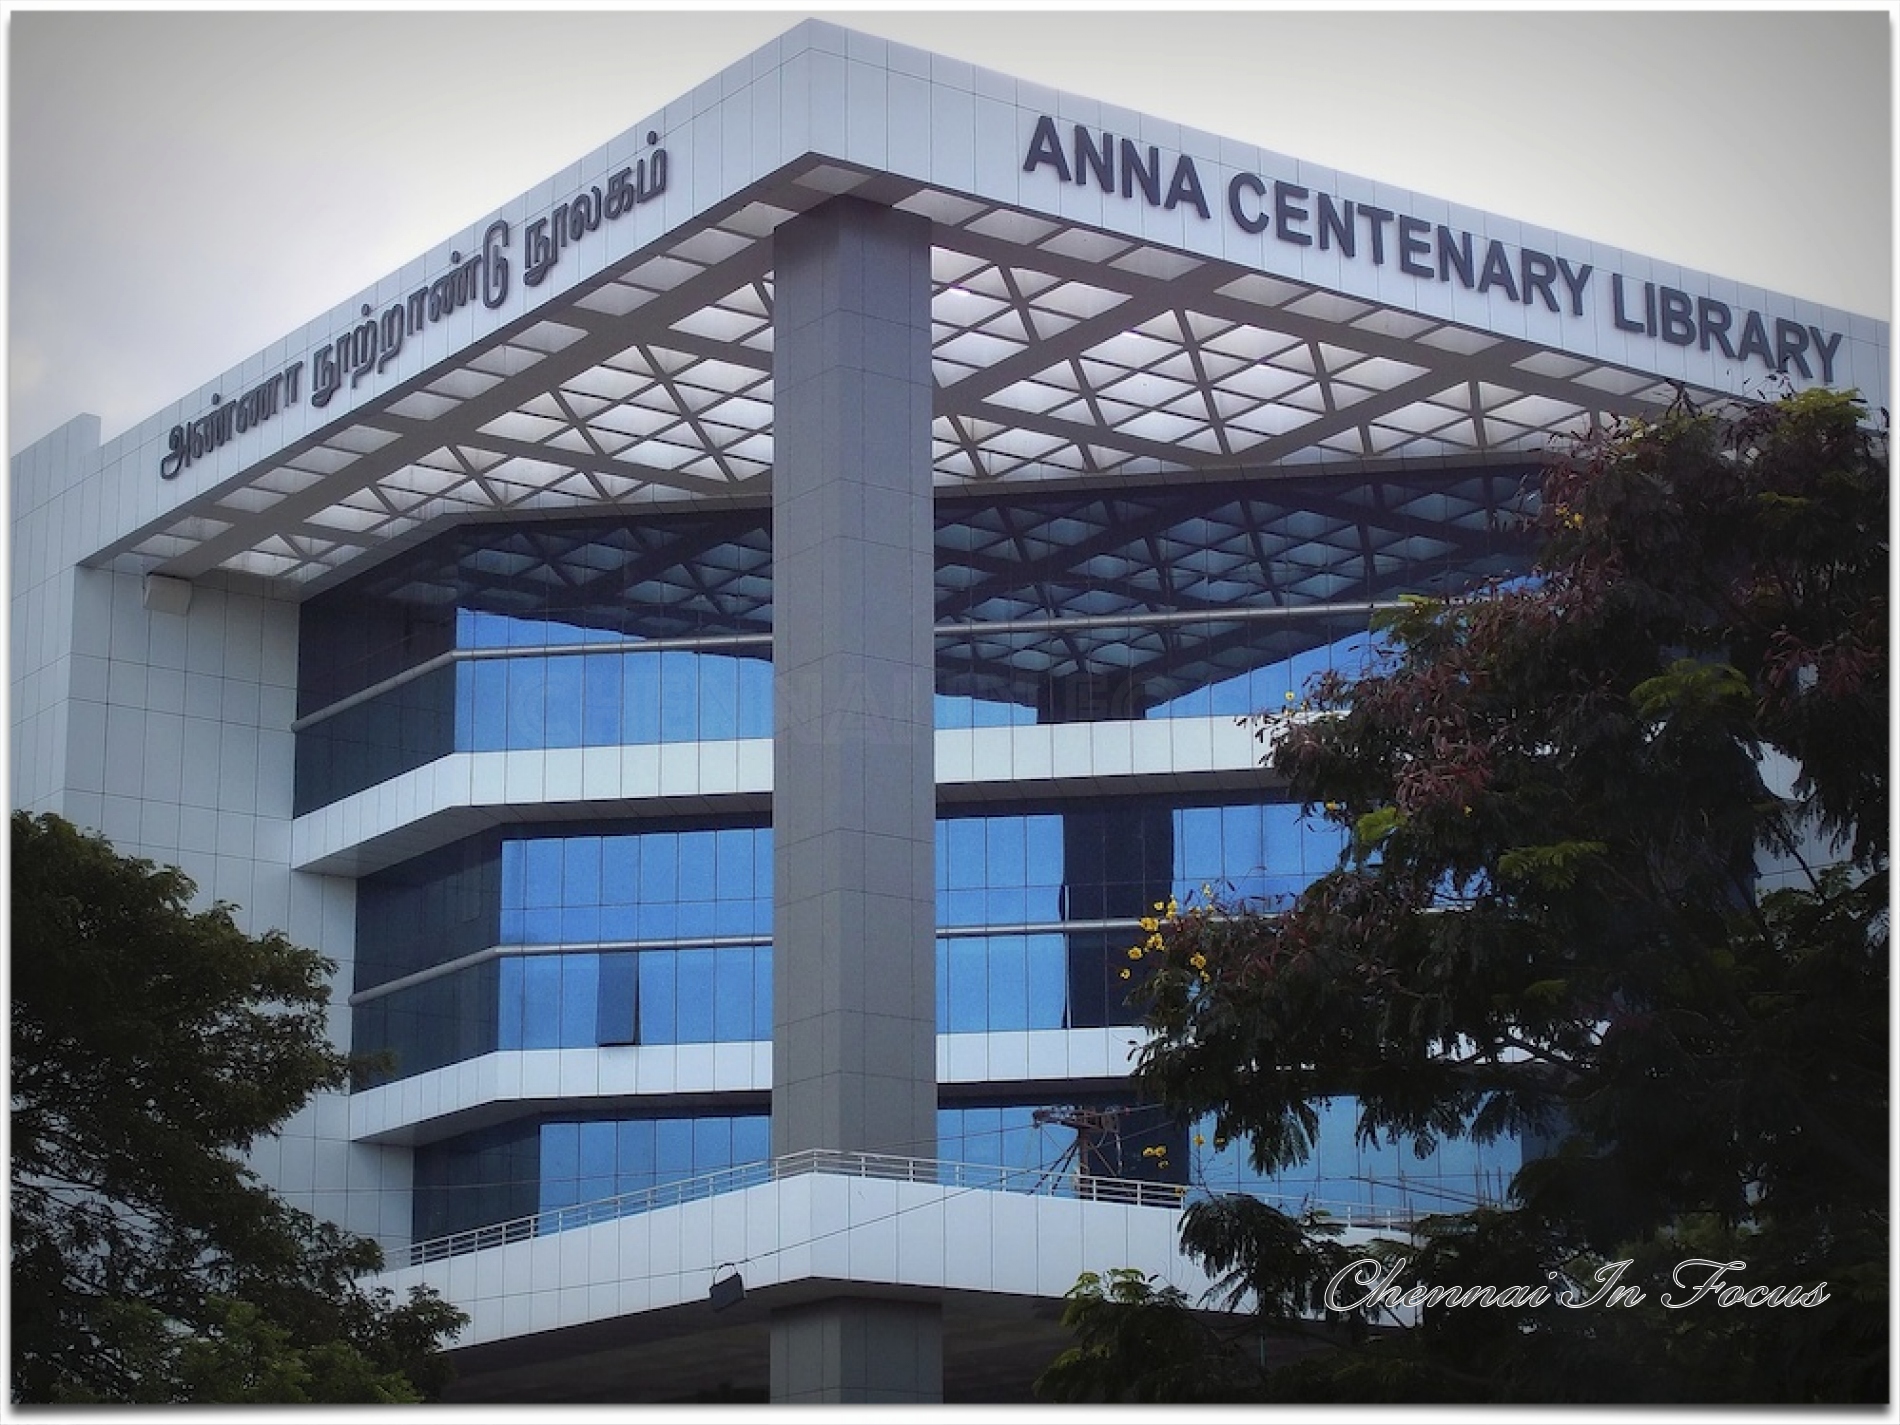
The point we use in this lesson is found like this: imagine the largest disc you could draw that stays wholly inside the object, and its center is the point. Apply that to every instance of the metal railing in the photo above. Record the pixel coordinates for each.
(1040, 1182)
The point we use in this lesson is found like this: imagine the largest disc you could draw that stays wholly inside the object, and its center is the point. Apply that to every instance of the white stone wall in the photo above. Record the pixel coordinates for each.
(169, 734)
(818, 1226)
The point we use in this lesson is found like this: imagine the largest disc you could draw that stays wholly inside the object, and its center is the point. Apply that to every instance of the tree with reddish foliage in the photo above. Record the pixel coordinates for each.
(1616, 885)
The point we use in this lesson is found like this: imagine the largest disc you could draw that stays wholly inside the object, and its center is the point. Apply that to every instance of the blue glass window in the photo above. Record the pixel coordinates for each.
(1265, 689)
(581, 871)
(640, 699)
(658, 975)
(531, 701)
(599, 1164)
(580, 1003)
(755, 697)
(718, 698)
(693, 1012)
(544, 867)
(602, 586)
(1006, 1137)
(618, 1019)
(560, 1165)
(679, 697)
(564, 693)
(735, 878)
(734, 995)
(964, 985)
(673, 1149)
(1267, 851)
(600, 701)
(712, 1143)
(751, 1138)
(637, 1167)
(1008, 1006)
(960, 854)
(999, 870)
(542, 1165)
(955, 711)
(540, 1002)
(1345, 1177)
(669, 895)
(527, 703)
(762, 993)
(508, 1027)
(620, 870)
(550, 1163)
(1000, 982)
(659, 871)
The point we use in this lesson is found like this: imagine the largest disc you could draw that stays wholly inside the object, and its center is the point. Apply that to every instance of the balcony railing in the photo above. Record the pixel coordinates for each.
(1042, 1182)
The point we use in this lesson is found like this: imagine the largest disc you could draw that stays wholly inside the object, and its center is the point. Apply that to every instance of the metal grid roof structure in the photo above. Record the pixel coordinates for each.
(1167, 589)
(1059, 353)
(1078, 336)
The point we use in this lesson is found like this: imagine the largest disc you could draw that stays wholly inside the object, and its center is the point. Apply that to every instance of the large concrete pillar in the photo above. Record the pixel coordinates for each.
(854, 793)
(849, 1351)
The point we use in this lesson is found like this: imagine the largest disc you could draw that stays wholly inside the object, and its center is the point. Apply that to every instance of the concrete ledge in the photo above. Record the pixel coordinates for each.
(466, 792)
(492, 1088)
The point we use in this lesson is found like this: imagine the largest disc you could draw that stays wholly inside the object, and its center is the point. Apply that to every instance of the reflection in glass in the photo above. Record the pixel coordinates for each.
(542, 1164)
(1347, 1177)
(611, 937)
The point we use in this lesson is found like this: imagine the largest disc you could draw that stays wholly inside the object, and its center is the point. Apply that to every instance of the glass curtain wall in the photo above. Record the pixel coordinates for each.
(1198, 600)
(579, 937)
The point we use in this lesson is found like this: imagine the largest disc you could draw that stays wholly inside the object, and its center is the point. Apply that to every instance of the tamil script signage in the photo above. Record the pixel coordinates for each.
(365, 350)
(1296, 214)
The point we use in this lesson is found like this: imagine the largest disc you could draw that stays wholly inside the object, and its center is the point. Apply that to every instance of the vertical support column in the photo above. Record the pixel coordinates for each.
(842, 1351)
(854, 792)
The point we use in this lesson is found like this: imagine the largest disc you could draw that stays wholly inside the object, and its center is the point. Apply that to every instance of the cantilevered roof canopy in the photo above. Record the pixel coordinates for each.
(1113, 295)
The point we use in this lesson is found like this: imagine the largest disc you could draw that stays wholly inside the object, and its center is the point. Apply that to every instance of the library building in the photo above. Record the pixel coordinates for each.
(723, 651)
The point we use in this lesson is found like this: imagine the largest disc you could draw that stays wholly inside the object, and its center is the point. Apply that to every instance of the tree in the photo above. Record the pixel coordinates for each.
(152, 1044)
(1550, 922)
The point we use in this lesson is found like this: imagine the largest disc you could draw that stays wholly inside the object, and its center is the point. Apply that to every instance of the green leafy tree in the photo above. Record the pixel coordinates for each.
(1550, 922)
(151, 1046)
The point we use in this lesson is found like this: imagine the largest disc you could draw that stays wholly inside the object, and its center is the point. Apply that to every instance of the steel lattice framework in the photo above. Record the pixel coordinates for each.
(1062, 354)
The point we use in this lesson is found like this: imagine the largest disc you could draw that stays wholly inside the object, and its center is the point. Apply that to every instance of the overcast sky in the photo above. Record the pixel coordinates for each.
(187, 187)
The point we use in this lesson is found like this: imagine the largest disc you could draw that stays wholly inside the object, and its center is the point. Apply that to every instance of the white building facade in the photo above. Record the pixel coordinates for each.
(723, 651)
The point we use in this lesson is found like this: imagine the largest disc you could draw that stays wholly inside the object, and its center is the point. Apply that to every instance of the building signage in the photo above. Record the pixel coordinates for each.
(1293, 213)
(1362, 232)
(367, 348)
(198, 438)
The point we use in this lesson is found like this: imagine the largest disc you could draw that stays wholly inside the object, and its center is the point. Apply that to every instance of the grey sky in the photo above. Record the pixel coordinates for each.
(187, 187)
